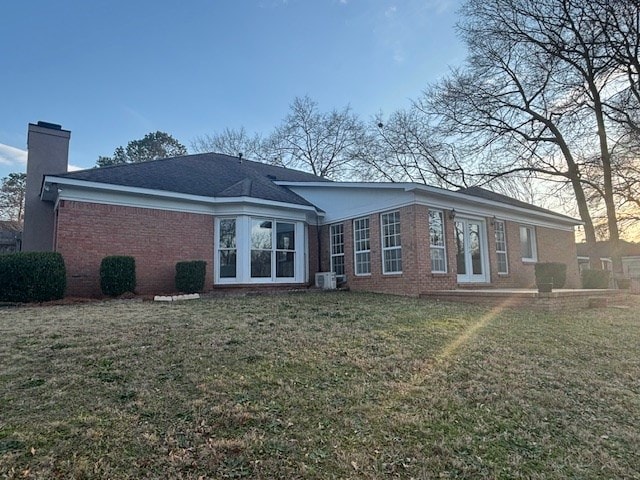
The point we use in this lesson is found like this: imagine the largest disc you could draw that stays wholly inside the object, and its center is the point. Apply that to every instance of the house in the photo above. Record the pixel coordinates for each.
(10, 236)
(259, 225)
(630, 253)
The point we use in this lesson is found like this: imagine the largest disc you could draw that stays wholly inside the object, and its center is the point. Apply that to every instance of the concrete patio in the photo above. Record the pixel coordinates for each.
(556, 300)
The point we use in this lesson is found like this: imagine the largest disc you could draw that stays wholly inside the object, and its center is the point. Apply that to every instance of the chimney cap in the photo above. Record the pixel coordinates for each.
(52, 126)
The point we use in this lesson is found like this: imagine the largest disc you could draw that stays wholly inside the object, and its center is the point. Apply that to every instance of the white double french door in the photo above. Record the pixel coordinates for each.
(471, 250)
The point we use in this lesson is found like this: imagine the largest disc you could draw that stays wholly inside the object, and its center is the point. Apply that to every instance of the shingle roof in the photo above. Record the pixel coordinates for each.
(497, 197)
(206, 174)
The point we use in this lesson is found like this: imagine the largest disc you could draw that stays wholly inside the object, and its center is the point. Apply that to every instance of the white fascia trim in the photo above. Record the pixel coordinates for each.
(387, 185)
(387, 208)
(457, 197)
(49, 180)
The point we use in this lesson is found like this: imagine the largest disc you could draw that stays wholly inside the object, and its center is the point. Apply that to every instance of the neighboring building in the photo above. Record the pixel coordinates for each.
(259, 225)
(629, 252)
(10, 236)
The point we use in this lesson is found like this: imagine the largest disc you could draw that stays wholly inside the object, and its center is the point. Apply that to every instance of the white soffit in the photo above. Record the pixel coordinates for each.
(344, 200)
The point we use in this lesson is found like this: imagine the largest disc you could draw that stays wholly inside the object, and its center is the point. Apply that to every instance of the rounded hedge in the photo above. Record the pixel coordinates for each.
(595, 279)
(117, 275)
(190, 276)
(32, 277)
(551, 272)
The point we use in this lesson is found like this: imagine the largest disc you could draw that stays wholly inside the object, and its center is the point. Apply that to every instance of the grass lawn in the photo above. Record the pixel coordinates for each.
(336, 385)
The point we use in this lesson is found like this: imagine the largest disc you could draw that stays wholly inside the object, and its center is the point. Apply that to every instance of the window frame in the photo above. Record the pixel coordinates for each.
(357, 251)
(244, 248)
(220, 249)
(443, 247)
(286, 249)
(534, 246)
(504, 250)
(332, 247)
(396, 235)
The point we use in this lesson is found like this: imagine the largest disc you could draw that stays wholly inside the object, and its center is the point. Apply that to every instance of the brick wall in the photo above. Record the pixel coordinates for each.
(416, 277)
(559, 246)
(157, 239)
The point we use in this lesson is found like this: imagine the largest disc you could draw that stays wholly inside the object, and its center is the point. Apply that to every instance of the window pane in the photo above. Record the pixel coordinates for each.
(526, 245)
(228, 233)
(362, 234)
(337, 239)
(338, 264)
(261, 234)
(460, 254)
(363, 263)
(227, 263)
(393, 260)
(501, 244)
(502, 262)
(436, 229)
(474, 248)
(260, 263)
(362, 246)
(285, 264)
(437, 260)
(336, 233)
(285, 236)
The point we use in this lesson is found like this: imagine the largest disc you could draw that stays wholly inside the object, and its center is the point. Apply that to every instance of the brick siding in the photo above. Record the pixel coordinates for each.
(416, 277)
(157, 239)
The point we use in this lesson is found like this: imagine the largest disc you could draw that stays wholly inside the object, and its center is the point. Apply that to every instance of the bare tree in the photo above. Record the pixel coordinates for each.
(12, 190)
(537, 95)
(404, 147)
(232, 142)
(325, 144)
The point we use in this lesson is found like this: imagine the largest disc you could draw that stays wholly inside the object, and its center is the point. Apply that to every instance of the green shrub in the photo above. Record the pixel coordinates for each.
(190, 276)
(551, 272)
(32, 277)
(595, 279)
(117, 275)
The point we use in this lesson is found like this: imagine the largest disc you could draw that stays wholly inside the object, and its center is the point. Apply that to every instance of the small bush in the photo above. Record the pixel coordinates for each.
(32, 277)
(551, 272)
(595, 279)
(117, 275)
(190, 276)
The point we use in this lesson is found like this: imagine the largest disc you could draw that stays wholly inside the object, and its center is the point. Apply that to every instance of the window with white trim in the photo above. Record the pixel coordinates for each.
(362, 246)
(528, 247)
(336, 236)
(259, 250)
(436, 242)
(227, 253)
(391, 243)
(501, 246)
(285, 249)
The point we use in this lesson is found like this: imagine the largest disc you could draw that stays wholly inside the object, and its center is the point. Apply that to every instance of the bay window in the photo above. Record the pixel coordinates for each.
(259, 250)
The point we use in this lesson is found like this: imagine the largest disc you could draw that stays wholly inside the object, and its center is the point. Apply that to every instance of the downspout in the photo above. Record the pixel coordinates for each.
(319, 242)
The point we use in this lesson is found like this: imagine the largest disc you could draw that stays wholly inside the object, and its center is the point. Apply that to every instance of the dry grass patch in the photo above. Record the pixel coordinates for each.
(337, 385)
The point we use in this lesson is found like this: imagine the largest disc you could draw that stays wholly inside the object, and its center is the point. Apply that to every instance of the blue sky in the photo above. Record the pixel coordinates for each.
(112, 71)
